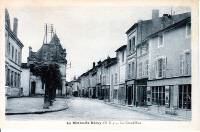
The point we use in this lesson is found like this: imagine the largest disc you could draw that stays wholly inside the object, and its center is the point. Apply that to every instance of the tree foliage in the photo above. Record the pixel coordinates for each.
(50, 76)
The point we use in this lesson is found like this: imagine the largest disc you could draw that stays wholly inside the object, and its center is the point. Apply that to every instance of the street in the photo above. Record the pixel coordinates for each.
(88, 109)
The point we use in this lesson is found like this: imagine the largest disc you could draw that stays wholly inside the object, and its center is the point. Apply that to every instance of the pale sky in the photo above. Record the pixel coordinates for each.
(88, 33)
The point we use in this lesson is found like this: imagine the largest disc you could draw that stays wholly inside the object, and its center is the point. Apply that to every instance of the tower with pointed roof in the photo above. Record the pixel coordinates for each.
(50, 51)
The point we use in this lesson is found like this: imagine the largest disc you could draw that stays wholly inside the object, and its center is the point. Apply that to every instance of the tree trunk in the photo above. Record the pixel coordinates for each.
(46, 97)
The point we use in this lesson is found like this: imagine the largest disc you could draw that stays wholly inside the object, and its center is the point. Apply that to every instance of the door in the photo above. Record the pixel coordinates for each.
(143, 97)
(33, 84)
(130, 96)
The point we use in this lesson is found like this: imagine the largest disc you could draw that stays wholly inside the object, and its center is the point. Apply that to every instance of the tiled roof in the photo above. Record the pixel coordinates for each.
(52, 51)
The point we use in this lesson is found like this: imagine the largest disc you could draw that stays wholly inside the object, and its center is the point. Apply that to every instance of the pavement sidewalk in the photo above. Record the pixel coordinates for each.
(150, 112)
(33, 105)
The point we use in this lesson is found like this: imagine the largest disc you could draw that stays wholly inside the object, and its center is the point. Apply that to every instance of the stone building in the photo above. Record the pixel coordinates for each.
(107, 81)
(49, 52)
(13, 55)
(73, 88)
(169, 83)
(138, 54)
(93, 91)
(113, 80)
(121, 70)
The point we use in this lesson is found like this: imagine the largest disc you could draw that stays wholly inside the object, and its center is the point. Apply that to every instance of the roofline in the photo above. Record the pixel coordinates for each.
(169, 27)
(131, 28)
(14, 36)
(135, 24)
(121, 48)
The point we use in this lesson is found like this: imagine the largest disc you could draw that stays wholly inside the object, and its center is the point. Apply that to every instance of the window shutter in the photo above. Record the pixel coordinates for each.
(181, 64)
(156, 68)
(164, 66)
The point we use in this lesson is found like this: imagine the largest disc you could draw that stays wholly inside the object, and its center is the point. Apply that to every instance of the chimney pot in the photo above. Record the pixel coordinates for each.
(93, 64)
(15, 26)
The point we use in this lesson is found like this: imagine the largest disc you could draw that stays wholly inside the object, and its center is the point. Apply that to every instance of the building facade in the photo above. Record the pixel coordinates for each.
(121, 70)
(169, 83)
(113, 81)
(13, 55)
(73, 88)
(137, 70)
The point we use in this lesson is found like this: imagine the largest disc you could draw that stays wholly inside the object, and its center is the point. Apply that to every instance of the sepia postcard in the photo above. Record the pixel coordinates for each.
(121, 65)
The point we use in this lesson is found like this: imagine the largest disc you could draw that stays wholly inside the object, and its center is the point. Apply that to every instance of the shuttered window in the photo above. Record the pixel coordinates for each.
(160, 67)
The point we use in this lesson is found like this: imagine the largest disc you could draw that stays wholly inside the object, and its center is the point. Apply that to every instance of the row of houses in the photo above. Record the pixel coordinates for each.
(153, 69)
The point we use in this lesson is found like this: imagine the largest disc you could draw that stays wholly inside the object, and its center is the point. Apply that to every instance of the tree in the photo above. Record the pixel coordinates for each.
(50, 76)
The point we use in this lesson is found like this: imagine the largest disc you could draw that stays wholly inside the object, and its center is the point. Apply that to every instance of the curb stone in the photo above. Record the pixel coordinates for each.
(40, 111)
(37, 112)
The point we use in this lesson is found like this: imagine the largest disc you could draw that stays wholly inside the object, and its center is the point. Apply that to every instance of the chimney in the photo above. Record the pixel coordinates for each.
(155, 21)
(15, 25)
(155, 14)
(99, 62)
(93, 64)
(7, 18)
(30, 49)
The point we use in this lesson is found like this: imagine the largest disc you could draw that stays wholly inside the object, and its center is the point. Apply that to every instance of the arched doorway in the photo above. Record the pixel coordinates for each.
(33, 85)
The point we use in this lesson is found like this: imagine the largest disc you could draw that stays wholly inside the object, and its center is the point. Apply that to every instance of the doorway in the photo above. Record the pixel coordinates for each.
(142, 95)
(33, 84)
(130, 95)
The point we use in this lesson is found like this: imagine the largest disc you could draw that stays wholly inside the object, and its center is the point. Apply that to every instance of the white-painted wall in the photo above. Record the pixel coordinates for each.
(25, 81)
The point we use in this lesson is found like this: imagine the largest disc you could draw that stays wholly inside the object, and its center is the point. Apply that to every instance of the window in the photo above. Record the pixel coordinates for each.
(18, 80)
(140, 69)
(123, 56)
(133, 43)
(15, 79)
(158, 95)
(129, 70)
(115, 78)
(88, 81)
(185, 64)
(16, 56)
(12, 52)
(160, 40)
(185, 96)
(99, 78)
(133, 68)
(9, 49)
(181, 65)
(130, 47)
(146, 67)
(188, 30)
(8, 78)
(112, 79)
(160, 67)
(104, 79)
(11, 78)
(19, 57)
